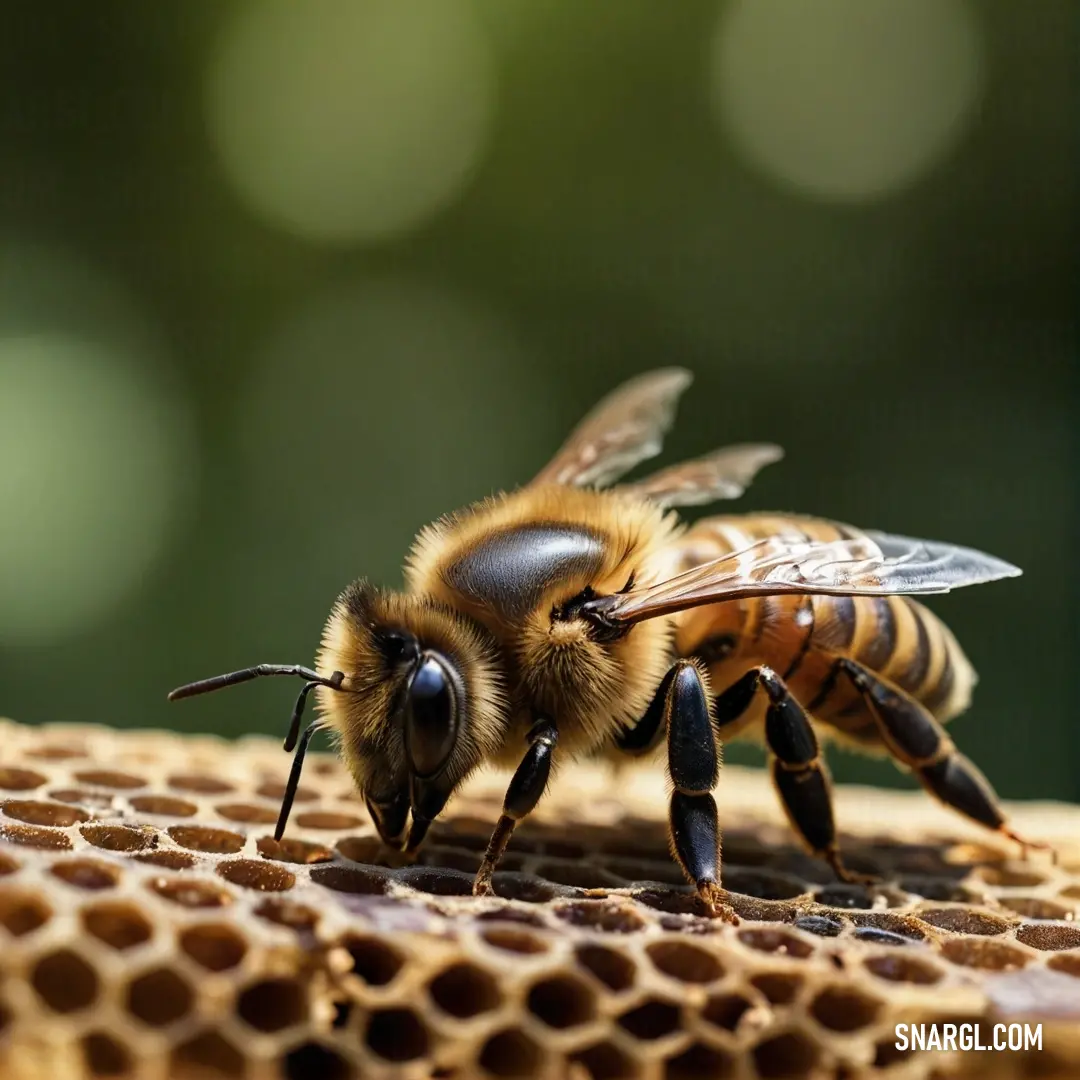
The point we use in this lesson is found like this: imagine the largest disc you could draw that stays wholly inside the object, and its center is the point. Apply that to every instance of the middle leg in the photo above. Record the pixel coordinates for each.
(694, 766)
(798, 770)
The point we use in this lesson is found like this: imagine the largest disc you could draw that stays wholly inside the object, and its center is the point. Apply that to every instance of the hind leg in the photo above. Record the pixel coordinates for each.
(917, 740)
(798, 770)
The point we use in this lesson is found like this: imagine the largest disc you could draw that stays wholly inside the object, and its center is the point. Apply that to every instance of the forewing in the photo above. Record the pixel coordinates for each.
(724, 474)
(626, 427)
(873, 564)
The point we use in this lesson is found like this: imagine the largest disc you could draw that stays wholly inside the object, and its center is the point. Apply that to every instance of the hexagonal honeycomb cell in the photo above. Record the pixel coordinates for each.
(150, 926)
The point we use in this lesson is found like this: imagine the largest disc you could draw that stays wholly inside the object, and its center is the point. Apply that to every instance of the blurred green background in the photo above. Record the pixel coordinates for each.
(281, 282)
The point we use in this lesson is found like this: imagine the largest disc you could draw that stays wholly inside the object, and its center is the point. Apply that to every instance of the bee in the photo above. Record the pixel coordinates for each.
(576, 617)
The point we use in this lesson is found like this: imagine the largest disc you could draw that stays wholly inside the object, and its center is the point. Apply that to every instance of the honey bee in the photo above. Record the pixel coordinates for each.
(575, 617)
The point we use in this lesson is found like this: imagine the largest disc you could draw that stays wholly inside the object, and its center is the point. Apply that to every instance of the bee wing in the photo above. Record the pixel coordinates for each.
(626, 427)
(871, 564)
(724, 474)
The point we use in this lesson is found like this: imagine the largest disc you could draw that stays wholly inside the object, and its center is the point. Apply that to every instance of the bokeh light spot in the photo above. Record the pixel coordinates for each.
(94, 457)
(847, 100)
(346, 121)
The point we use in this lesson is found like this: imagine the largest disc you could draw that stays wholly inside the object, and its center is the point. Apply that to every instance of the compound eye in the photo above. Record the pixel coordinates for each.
(431, 717)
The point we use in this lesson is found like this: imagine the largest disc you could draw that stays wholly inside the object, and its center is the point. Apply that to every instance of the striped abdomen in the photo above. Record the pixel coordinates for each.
(800, 637)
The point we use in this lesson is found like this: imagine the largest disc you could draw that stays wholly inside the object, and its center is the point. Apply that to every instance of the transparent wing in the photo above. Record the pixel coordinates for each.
(873, 564)
(724, 474)
(626, 427)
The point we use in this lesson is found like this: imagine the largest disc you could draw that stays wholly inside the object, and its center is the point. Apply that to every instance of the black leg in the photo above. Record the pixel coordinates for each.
(735, 700)
(694, 767)
(649, 730)
(916, 739)
(526, 787)
(798, 770)
(800, 774)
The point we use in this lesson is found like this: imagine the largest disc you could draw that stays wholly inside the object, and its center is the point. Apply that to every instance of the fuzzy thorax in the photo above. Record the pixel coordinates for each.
(593, 689)
(557, 542)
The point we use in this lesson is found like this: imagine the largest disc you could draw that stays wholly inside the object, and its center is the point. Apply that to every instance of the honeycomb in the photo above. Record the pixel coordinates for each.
(152, 927)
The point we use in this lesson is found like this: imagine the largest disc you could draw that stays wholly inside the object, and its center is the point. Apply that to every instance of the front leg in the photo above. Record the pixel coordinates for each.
(694, 768)
(527, 785)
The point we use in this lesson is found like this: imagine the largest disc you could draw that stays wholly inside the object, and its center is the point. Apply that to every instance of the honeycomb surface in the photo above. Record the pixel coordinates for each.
(151, 927)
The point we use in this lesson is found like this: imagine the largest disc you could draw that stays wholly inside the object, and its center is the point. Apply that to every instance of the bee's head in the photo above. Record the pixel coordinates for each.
(412, 691)
(420, 706)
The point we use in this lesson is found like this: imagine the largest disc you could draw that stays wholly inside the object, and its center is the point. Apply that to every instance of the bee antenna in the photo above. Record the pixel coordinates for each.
(294, 774)
(293, 739)
(232, 678)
